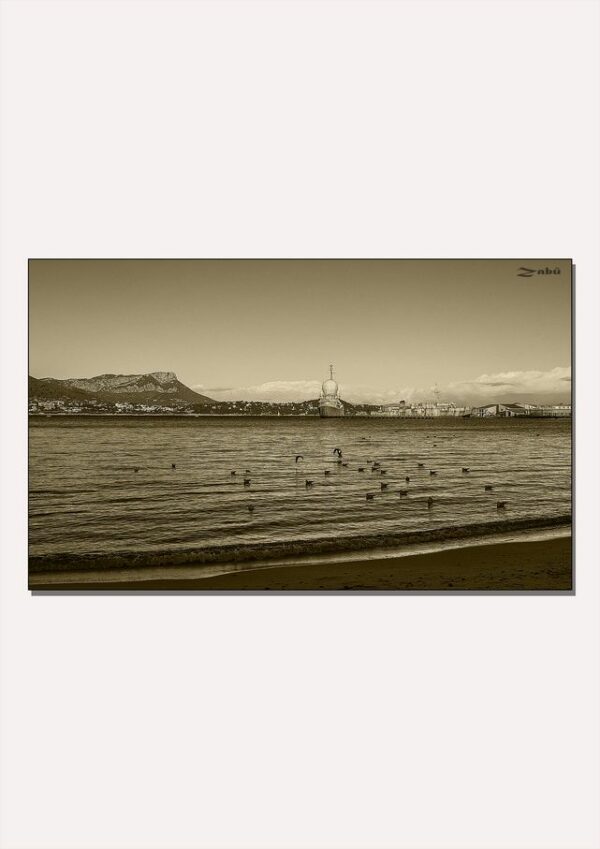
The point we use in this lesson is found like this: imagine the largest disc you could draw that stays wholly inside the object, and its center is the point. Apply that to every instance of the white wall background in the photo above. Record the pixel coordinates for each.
(312, 129)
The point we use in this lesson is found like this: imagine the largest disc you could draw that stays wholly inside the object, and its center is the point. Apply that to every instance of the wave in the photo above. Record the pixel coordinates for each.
(240, 552)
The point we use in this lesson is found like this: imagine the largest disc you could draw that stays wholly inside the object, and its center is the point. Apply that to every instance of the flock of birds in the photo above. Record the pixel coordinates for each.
(375, 468)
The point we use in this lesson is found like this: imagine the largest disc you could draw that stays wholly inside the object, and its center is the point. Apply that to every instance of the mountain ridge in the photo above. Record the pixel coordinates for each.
(152, 387)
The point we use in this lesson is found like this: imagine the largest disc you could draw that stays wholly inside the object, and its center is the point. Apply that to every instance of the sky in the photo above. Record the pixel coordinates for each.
(268, 329)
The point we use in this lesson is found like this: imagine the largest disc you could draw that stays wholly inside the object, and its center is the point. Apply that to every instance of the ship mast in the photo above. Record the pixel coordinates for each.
(330, 372)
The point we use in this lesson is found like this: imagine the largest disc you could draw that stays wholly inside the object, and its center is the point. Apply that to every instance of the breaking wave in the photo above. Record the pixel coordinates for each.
(248, 552)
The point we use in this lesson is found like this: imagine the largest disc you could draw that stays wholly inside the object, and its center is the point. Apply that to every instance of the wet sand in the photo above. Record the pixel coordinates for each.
(538, 565)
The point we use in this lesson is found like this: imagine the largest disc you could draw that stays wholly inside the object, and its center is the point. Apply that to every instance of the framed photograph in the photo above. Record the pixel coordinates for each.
(300, 425)
(299, 446)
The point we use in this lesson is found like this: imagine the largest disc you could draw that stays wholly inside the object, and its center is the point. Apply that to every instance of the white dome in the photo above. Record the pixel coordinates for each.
(330, 387)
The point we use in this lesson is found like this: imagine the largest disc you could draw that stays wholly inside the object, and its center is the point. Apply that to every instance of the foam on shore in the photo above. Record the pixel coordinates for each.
(198, 569)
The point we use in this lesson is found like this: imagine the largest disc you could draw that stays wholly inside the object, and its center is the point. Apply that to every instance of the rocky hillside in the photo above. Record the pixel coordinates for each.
(53, 390)
(155, 388)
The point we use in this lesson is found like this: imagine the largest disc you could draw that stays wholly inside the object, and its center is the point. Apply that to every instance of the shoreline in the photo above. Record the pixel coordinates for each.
(316, 415)
(535, 565)
(232, 557)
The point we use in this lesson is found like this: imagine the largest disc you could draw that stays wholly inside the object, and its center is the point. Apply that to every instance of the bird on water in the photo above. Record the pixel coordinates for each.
(337, 451)
(403, 492)
(501, 505)
(136, 468)
(430, 502)
(407, 479)
(433, 473)
(370, 496)
(421, 465)
(465, 470)
(384, 486)
(246, 481)
(173, 466)
(299, 457)
(308, 483)
(488, 488)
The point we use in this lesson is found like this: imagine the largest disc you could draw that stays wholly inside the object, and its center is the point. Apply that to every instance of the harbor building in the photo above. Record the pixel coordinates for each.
(421, 410)
(514, 410)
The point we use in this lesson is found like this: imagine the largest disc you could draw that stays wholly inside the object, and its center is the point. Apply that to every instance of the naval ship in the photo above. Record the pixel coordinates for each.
(330, 405)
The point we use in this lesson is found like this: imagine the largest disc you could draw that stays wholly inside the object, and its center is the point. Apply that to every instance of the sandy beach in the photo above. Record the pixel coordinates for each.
(537, 565)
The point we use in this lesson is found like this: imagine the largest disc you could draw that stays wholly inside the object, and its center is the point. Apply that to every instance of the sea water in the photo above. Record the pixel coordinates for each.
(90, 509)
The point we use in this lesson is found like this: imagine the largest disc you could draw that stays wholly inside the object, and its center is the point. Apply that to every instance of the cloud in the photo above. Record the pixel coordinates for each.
(272, 390)
(203, 388)
(496, 383)
(500, 386)
(533, 383)
(309, 390)
(361, 394)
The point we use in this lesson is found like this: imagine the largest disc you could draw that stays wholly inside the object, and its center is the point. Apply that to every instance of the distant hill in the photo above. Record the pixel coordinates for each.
(160, 387)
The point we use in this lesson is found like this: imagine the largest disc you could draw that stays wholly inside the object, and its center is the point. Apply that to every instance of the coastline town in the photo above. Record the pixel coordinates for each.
(418, 410)
(161, 393)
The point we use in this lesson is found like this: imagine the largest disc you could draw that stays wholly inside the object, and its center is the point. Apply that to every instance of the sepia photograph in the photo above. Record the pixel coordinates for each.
(300, 456)
(300, 425)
